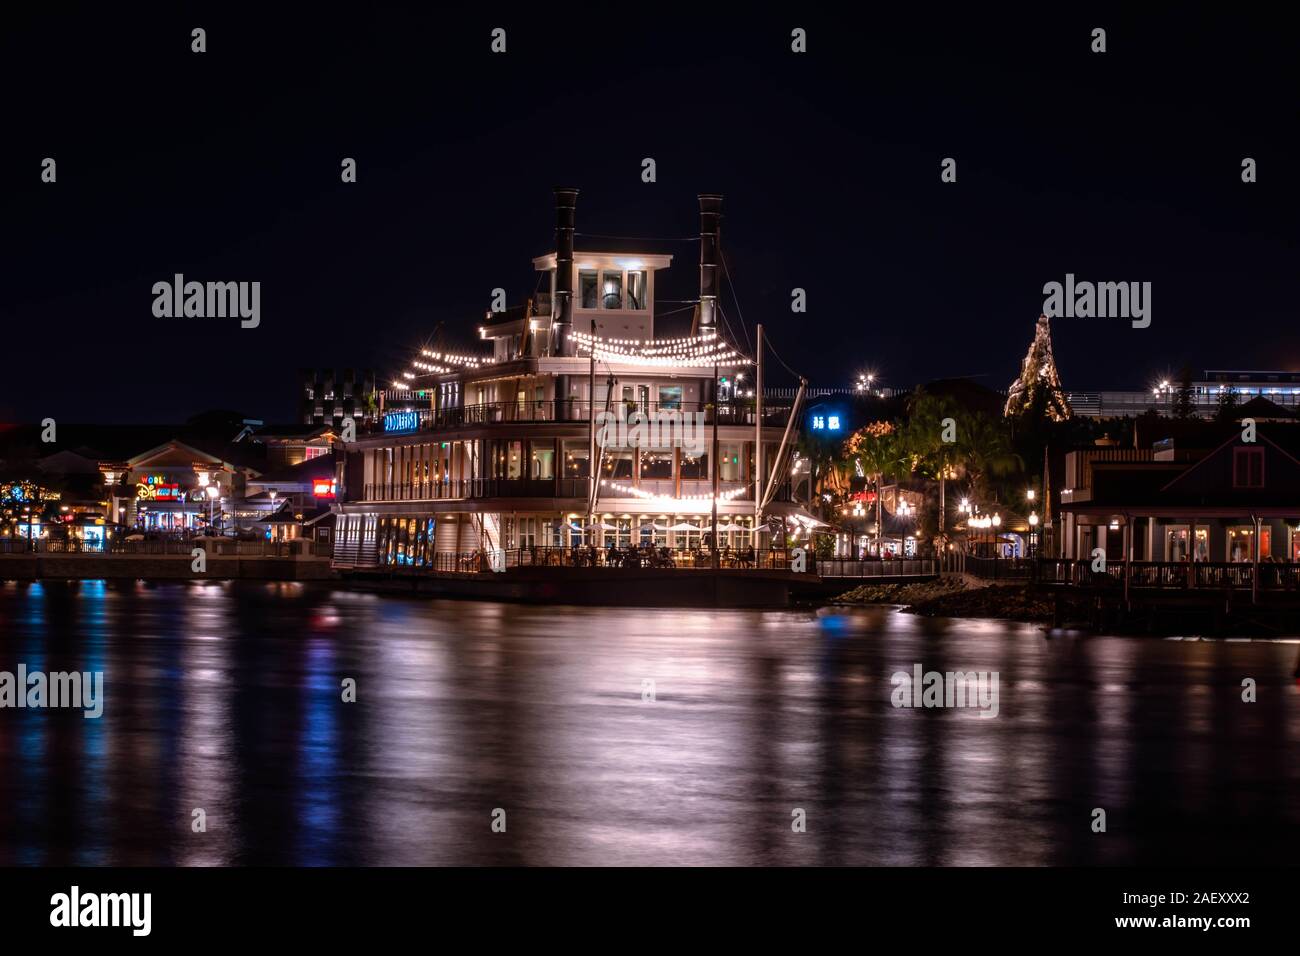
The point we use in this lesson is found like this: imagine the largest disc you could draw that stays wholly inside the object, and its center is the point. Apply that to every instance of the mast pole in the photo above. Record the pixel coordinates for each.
(758, 438)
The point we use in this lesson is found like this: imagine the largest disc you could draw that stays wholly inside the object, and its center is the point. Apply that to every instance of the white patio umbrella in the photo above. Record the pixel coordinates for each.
(684, 526)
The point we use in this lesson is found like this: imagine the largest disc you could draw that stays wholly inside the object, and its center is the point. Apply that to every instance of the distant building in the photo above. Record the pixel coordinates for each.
(1281, 388)
(327, 396)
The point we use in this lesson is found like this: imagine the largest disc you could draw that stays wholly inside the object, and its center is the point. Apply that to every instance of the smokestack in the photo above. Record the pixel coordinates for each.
(710, 221)
(562, 305)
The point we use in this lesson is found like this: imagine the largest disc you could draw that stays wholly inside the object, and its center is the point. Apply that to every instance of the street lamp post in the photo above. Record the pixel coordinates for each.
(211, 491)
(996, 521)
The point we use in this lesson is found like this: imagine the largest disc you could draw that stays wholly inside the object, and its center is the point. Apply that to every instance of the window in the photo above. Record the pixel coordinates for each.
(670, 396)
(656, 463)
(611, 290)
(654, 532)
(1248, 468)
(618, 464)
(542, 459)
(695, 466)
(577, 458)
(1241, 543)
(587, 283)
(636, 290)
(729, 461)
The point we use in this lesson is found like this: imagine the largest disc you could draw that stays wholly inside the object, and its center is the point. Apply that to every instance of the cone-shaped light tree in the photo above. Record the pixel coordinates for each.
(1038, 389)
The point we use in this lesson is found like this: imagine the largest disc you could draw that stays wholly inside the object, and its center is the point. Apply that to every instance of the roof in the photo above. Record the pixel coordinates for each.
(1260, 407)
(322, 466)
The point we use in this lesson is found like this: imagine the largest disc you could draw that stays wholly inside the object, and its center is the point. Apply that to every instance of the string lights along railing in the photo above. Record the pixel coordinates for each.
(634, 492)
(701, 350)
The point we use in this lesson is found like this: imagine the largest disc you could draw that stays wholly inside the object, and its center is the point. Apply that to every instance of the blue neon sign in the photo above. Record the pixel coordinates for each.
(401, 421)
(825, 423)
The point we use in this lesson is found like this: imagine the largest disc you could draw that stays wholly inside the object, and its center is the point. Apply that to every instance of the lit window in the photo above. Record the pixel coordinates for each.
(611, 290)
(587, 283)
(636, 290)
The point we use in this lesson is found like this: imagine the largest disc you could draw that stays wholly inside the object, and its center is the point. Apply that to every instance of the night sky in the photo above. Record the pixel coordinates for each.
(1122, 166)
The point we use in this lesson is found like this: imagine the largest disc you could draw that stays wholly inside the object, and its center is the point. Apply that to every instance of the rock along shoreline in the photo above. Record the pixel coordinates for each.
(953, 597)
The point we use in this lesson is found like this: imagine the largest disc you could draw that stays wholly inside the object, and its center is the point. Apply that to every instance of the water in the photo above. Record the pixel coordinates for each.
(225, 697)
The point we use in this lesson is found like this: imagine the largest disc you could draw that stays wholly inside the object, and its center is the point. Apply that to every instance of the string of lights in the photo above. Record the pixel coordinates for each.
(644, 495)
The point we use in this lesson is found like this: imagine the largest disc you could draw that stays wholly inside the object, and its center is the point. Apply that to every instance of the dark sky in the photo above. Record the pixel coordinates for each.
(1123, 166)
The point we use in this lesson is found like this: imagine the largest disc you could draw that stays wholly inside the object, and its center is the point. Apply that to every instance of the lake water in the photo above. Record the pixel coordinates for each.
(623, 736)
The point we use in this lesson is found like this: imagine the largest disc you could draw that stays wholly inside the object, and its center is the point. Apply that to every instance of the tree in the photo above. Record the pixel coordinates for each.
(877, 450)
(1184, 407)
(1229, 400)
(932, 439)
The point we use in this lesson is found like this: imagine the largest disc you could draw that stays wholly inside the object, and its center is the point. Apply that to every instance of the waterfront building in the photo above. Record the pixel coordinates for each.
(1221, 499)
(576, 424)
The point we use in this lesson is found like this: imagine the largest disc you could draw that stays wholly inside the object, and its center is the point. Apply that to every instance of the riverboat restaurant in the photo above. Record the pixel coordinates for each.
(495, 450)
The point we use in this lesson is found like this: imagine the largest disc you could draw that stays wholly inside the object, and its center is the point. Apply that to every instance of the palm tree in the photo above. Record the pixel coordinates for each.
(877, 449)
(986, 451)
(933, 439)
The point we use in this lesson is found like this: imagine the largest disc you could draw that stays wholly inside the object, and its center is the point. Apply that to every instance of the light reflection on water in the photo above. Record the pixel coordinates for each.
(226, 698)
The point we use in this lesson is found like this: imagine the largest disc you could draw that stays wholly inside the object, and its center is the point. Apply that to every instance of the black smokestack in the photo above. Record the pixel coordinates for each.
(566, 200)
(710, 223)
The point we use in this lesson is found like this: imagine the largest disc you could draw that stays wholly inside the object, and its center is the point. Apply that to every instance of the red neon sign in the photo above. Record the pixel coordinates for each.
(322, 487)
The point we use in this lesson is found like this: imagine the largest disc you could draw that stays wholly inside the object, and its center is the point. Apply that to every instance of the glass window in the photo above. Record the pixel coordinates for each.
(695, 466)
(617, 464)
(656, 463)
(611, 290)
(542, 459)
(1241, 543)
(619, 532)
(729, 461)
(636, 290)
(587, 285)
(670, 396)
(577, 458)
(528, 536)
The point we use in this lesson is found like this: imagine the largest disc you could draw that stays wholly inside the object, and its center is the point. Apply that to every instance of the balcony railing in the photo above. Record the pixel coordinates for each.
(578, 412)
(479, 488)
(1170, 575)
(553, 488)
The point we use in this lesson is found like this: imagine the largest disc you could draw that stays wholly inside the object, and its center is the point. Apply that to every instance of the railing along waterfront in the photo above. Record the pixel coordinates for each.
(215, 547)
(997, 569)
(1170, 575)
(877, 568)
(641, 557)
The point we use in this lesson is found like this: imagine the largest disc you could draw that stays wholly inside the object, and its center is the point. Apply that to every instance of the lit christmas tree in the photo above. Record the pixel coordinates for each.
(1038, 389)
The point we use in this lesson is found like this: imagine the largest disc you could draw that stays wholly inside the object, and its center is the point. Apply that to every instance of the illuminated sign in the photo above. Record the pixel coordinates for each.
(826, 423)
(322, 487)
(401, 421)
(158, 488)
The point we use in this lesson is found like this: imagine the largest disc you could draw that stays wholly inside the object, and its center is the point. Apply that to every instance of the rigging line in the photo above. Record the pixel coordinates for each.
(596, 235)
(735, 298)
(768, 343)
(734, 343)
(660, 315)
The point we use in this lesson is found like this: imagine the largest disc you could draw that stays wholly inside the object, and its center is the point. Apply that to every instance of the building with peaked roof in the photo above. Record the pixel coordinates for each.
(1237, 500)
